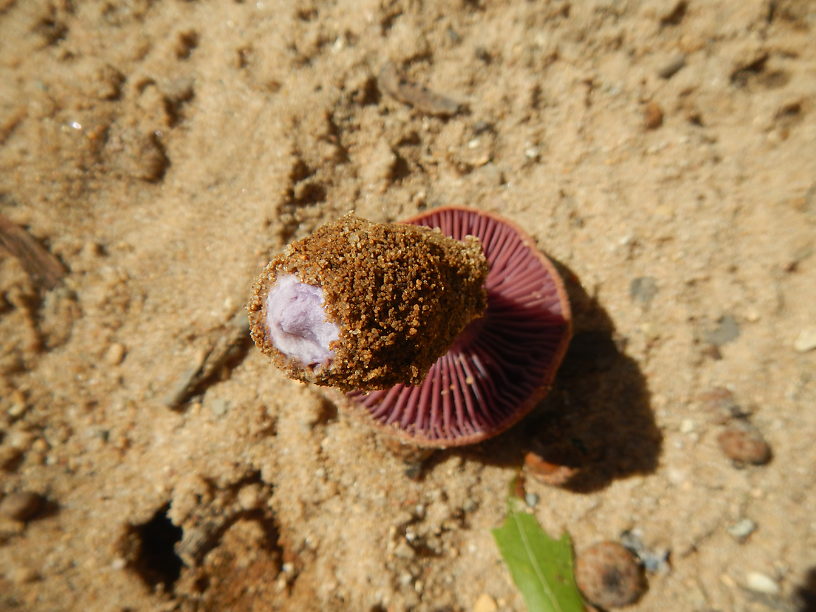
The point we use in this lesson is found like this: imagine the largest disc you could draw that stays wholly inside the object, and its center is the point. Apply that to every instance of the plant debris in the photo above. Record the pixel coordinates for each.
(229, 346)
(415, 95)
(45, 270)
(541, 566)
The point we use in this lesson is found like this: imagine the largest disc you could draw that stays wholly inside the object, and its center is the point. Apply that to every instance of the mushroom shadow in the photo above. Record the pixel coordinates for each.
(805, 597)
(597, 418)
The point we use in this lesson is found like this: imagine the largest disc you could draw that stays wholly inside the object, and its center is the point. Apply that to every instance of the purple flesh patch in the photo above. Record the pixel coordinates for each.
(297, 323)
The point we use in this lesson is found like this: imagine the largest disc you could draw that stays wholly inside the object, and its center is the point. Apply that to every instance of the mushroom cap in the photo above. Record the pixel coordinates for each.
(502, 364)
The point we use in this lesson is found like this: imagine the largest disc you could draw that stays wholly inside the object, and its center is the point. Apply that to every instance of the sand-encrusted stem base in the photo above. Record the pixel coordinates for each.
(501, 365)
(400, 295)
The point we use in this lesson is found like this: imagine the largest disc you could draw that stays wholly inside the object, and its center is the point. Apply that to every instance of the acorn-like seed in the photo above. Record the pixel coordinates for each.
(609, 575)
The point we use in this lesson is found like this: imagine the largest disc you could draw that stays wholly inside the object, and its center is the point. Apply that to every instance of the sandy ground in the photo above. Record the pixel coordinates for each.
(664, 152)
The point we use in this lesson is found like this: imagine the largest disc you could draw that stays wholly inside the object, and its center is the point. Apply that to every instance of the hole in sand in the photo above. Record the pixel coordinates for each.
(157, 562)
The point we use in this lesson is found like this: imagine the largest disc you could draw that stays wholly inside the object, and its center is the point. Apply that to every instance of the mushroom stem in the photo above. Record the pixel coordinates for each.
(361, 305)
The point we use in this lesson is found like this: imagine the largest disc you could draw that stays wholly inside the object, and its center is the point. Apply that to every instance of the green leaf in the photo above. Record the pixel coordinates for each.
(541, 566)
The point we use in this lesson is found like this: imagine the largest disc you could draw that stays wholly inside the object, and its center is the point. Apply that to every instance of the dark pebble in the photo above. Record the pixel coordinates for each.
(726, 330)
(643, 289)
(652, 116)
(743, 443)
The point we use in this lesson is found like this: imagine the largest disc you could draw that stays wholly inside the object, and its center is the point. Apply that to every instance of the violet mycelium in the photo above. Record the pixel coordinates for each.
(443, 330)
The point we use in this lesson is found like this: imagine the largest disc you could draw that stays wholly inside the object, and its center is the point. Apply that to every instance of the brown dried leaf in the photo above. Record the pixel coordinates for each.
(418, 96)
(44, 268)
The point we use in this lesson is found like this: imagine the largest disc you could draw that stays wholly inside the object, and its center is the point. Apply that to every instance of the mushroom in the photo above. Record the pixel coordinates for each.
(479, 352)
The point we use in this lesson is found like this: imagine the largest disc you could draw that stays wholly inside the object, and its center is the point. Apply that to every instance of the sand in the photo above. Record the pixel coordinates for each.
(663, 152)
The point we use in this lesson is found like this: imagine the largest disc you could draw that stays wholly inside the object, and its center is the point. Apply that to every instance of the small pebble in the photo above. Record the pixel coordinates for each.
(485, 603)
(743, 443)
(806, 340)
(219, 406)
(761, 583)
(673, 67)
(643, 289)
(547, 472)
(405, 579)
(609, 575)
(654, 560)
(17, 410)
(728, 581)
(249, 497)
(727, 330)
(652, 116)
(21, 506)
(531, 499)
(115, 354)
(403, 550)
(21, 440)
(742, 529)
